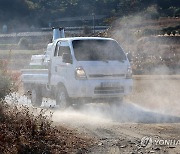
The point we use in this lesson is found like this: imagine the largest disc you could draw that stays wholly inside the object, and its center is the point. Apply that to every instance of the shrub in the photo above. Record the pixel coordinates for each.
(6, 83)
(177, 12)
(23, 43)
(152, 13)
(169, 32)
(86, 30)
(22, 132)
(5, 86)
(174, 32)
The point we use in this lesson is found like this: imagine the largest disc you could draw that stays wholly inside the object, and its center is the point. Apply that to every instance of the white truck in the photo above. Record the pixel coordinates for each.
(79, 68)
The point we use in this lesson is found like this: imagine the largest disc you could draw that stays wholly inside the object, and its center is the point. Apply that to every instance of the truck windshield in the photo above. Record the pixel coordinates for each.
(98, 50)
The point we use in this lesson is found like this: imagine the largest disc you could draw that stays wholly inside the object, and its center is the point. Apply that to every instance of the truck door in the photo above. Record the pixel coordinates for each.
(59, 69)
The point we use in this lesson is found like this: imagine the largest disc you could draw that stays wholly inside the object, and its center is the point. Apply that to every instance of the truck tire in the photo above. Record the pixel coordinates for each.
(62, 98)
(116, 101)
(36, 97)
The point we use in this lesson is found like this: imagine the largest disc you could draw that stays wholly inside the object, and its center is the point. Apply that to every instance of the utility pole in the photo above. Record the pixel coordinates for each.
(93, 14)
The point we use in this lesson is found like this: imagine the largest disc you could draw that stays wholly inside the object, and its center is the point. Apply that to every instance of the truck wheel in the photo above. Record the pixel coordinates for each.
(36, 97)
(116, 101)
(62, 98)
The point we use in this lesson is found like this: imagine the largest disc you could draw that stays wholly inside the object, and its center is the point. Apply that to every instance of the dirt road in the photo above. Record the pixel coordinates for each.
(119, 129)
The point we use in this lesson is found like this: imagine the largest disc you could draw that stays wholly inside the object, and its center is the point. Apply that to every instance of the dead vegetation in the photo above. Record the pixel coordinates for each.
(22, 132)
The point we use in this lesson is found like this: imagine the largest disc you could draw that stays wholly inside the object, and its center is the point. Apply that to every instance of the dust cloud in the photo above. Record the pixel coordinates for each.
(158, 93)
(101, 113)
(156, 58)
(97, 114)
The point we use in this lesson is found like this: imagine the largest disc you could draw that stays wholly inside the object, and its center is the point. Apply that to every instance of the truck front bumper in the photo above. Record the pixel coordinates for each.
(100, 88)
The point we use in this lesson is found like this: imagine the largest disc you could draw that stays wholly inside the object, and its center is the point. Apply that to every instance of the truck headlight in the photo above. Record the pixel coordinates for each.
(129, 73)
(80, 73)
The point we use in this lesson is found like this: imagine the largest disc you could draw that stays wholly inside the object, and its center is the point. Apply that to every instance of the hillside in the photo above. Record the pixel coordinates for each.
(40, 13)
(153, 44)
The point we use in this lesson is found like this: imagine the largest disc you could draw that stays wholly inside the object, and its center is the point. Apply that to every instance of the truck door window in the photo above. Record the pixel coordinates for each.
(63, 49)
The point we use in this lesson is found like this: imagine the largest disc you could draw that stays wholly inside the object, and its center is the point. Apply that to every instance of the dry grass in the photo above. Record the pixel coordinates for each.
(18, 59)
(21, 132)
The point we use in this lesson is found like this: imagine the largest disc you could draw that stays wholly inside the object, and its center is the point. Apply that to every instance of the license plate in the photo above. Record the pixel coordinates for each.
(110, 84)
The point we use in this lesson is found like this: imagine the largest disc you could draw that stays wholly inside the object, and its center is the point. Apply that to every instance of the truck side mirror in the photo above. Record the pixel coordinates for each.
(67, 58)
(129, 56)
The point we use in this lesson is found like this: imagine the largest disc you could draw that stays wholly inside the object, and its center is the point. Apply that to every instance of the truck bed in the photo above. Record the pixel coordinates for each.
(39, 76)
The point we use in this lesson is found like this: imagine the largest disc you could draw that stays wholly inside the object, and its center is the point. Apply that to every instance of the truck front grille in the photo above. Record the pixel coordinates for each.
(106, 75)
(108, 90)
